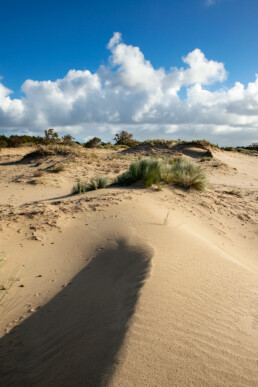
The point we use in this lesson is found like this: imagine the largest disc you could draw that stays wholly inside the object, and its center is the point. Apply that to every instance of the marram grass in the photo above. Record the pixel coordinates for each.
(178, 171)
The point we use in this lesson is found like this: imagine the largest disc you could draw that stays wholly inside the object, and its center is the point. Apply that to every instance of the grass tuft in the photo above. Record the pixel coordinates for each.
(235, 193)
(97, 183)
(178, 171)
(79, 188)
(186, 174)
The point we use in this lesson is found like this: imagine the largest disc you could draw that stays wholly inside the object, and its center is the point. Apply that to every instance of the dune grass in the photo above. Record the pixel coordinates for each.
(178, 171)
(147, 170)
(235, 193)
(95, 183)
(79, 187)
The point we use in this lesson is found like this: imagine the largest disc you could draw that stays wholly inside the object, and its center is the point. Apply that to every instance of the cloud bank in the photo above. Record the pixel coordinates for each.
(130, 94)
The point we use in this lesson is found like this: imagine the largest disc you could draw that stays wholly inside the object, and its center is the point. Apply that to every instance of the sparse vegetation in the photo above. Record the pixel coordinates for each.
(79, 188)
(95, 183)
(51, 150)
(235, 193)
(178, 171)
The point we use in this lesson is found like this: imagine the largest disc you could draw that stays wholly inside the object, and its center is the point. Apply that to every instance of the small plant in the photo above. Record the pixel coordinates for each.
(102, 182)
(235, 193)
(82, 187)
(203, 159)
(79, 188)
(98, 183)
(160, 185)
(166, 219)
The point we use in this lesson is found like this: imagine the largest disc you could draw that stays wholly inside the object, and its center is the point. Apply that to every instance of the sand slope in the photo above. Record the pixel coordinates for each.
(114, 297)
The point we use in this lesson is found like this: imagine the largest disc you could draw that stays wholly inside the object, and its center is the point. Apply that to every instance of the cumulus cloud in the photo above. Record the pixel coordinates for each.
(130, 93)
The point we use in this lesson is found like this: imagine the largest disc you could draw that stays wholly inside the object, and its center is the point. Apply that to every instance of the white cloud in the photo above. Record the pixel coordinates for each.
(131, 93)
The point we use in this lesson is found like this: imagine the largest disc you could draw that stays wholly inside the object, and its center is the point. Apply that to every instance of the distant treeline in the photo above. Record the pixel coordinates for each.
(122, 138)
(16, 141)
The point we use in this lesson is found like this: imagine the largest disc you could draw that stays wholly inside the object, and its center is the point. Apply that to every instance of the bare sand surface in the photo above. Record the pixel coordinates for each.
(128, 286)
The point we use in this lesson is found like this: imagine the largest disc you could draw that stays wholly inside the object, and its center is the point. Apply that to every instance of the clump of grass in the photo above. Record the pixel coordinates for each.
(147, 170)
(79, 188)
(235, 193)
(177, 160)
(95, 183)
(187, 174)
(102, 182)
(98, 183)
(178, 171)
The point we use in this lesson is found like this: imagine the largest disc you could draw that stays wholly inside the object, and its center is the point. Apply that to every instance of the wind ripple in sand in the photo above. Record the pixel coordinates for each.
(74, 339)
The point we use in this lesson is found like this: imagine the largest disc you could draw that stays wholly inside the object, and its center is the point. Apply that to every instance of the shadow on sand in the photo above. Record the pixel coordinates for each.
(74, 339)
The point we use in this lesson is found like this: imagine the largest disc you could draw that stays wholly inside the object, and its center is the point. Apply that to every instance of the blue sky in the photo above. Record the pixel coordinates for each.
(43, 40)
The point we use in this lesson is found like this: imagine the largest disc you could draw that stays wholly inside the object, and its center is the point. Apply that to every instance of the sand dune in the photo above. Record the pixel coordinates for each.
(111, 294)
